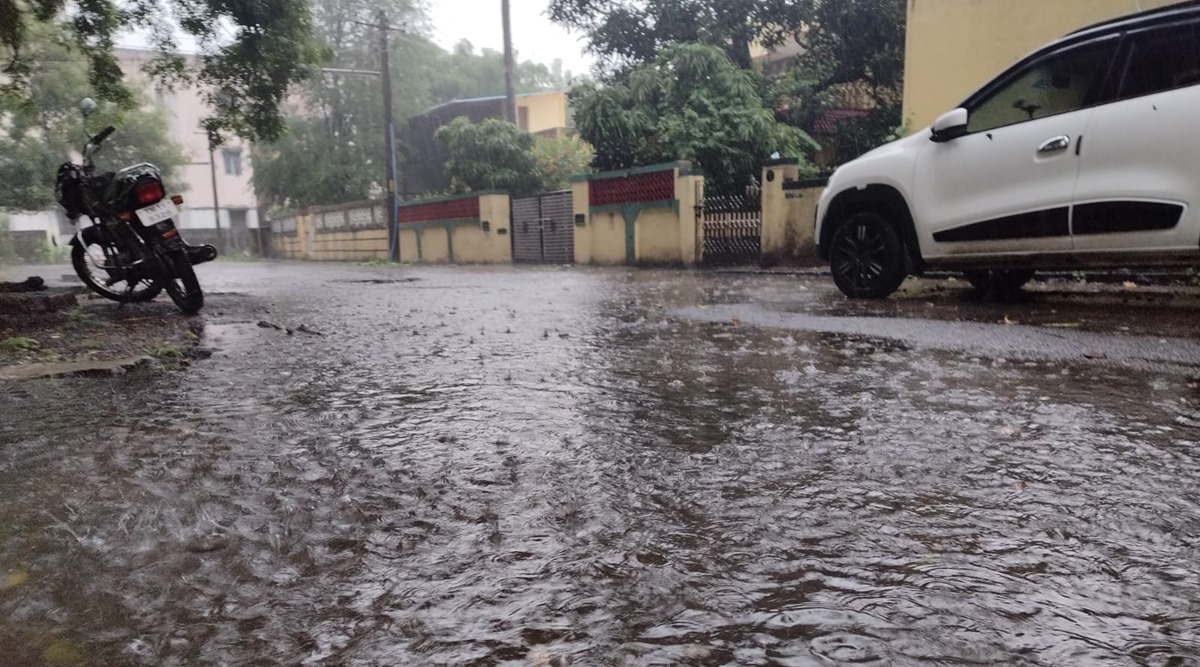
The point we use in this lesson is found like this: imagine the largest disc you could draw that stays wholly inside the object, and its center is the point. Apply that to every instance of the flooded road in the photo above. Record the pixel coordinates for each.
(586, 467)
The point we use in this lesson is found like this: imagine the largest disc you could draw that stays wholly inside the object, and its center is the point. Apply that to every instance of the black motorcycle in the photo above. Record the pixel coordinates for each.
(132, 251)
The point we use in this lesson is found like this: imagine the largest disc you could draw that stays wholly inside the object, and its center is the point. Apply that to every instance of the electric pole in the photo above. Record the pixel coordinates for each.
(389, 128)
(212, 165)
(510, 90)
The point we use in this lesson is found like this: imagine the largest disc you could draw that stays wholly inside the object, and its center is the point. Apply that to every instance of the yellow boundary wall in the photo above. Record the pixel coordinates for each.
(358, 232)
(789, 210)
(662, 232)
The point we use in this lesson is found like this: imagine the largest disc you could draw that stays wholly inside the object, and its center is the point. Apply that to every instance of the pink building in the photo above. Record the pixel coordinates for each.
(233, 194)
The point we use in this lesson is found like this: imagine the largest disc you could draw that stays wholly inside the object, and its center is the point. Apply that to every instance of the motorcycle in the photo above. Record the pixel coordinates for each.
(132, 251)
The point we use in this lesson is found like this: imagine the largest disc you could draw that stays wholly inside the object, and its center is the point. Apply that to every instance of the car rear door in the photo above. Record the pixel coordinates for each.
(1005, 188)
(1139, 179)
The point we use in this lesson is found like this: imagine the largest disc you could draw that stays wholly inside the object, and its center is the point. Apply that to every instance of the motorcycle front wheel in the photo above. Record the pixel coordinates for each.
(182, 284)
(123, 285)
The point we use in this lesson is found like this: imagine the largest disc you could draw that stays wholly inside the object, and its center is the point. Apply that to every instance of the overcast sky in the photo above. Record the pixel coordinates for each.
(535, 37)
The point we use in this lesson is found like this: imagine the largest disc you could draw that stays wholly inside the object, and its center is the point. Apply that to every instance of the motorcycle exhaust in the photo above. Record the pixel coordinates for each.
(199, 254)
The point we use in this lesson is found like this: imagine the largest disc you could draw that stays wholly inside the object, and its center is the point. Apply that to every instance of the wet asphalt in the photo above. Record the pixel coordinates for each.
(549, 466)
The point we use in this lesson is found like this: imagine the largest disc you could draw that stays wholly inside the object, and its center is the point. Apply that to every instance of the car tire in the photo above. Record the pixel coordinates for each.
(1000, 282)
(867, 257)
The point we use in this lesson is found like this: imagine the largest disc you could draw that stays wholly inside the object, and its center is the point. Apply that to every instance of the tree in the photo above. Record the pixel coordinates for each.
(465, 73)
(312, 166)
(559, 158)
(632, 32)
(333, 148)
(27, 169)
(854, 57)
(692, 104)
(490, 155)
(43, 130)
(856, 42)
(252, 52)
(852, 50)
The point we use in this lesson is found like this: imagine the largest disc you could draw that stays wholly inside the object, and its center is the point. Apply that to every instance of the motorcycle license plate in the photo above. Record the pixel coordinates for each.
(156, 213)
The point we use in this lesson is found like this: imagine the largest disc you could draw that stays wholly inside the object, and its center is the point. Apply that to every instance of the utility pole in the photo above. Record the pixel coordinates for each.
(510, 90)
(389, 128)
(212, 165)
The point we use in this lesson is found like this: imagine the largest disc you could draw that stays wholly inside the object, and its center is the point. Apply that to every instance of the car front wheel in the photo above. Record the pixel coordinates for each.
(866, 256)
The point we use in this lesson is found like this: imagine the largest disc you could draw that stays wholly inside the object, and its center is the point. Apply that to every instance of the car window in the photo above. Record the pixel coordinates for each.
(1058, 83)
(1162, 60)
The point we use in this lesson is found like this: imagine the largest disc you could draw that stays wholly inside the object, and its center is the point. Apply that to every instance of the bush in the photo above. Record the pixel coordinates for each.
(490, 155)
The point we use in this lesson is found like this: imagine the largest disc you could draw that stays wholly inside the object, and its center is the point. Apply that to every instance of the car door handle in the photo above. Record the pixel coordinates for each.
(1056, 145)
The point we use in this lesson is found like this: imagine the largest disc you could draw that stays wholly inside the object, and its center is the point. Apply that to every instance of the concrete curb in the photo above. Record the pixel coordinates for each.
(82, 368)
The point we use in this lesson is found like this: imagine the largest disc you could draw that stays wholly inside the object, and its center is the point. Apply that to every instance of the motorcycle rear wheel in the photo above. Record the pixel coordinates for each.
(182, 284)
(145, 289)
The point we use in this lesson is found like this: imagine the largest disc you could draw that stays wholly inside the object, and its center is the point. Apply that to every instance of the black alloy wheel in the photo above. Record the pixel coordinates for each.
(867, 257)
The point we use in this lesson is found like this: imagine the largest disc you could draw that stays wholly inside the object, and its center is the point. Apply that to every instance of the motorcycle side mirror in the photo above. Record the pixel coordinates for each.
(87, 107)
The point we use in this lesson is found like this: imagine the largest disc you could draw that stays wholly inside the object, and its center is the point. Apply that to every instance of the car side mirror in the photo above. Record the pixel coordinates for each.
(951, 125)
(87, 107)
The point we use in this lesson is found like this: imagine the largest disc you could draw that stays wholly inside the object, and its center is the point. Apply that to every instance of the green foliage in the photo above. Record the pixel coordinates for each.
(27, 170)
(852, 53)
(8, 254)
(80, 316)
(491, 155)
(559, 158)
(377, 262)
(314, 166)
(463, 73)
(50, 253)
(19, 344)
(627, 33)
(856, 41)
(691, 104)
(166, 351)
(252, 51)
(854, 57)
(859, 135)
(44, 129)
(333, 148)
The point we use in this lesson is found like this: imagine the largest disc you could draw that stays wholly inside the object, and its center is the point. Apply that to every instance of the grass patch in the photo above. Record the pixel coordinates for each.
(167, 352)
(238, 256)
(172, 357)
(19, 344)
(80, 316)
(377, 262)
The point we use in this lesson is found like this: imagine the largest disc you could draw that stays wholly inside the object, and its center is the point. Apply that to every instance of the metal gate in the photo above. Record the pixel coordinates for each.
(732, 227)
(543, 228)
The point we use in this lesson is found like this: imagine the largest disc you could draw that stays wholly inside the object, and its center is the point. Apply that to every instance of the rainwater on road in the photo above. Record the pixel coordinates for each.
(609, 467)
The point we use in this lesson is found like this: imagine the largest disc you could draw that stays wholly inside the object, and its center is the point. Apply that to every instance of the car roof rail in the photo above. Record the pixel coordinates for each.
(1183, 8)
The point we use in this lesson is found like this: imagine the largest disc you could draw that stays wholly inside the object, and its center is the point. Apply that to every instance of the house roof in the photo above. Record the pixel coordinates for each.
(827, 123)
(494, 98)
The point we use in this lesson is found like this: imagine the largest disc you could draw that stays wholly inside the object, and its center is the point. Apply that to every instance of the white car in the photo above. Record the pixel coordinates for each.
(1085, 154)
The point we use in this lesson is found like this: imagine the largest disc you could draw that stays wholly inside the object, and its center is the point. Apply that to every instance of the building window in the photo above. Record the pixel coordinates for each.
(233, 162)
(523, 118)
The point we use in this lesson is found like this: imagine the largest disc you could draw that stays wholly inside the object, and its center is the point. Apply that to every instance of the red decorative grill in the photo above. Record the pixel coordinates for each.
(456, 209)
(658, 186)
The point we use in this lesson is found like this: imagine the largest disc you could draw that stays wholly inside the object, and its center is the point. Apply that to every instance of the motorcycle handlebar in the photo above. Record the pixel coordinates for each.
(94, 145)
